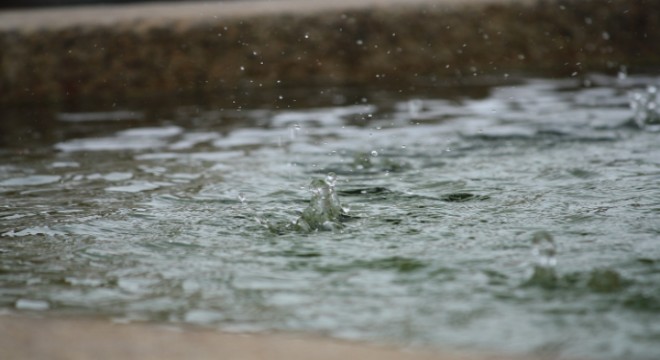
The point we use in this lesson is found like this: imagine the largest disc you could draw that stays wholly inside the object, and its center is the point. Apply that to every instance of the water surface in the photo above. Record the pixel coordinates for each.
(150, 214)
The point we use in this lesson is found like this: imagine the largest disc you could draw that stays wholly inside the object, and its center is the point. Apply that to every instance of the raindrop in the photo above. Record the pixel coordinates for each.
(374, 153)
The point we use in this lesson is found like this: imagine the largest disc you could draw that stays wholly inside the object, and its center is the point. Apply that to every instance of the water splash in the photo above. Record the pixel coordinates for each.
(324, 211)
(544, 253)
(544, 249)
(646, 107)
(259, 218)
(242, 198)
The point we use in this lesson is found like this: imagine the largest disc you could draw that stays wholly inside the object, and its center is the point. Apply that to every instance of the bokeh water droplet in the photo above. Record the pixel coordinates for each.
(374, 153)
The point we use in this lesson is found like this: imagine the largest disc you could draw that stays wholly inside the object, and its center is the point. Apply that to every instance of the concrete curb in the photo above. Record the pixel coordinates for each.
(23, 337)
(200, 48)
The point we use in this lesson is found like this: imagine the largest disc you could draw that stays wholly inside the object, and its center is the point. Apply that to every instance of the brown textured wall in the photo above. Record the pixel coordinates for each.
(391, 46)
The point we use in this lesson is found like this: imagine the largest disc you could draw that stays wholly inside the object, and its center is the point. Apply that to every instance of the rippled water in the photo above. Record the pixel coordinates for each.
(158, 215)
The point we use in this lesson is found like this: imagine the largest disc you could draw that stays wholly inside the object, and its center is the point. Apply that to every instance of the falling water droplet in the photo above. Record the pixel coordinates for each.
(374, 153)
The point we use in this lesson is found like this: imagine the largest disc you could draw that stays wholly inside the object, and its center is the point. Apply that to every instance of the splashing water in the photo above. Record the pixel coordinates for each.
(324, 211)
(544, 252)
(646, 107)
(544, 249)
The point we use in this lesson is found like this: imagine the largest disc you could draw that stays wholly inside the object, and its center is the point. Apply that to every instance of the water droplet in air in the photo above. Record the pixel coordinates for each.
(374, 153)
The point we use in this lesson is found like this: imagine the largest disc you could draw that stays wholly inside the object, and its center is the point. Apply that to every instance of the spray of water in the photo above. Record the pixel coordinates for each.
(544, 254)
(324, 211)
(646, 107)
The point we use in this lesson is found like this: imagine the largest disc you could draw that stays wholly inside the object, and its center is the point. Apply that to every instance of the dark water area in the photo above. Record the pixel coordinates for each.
(519, 218)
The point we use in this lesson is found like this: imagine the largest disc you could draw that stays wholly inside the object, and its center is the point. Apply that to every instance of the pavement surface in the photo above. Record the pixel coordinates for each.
(27, 337)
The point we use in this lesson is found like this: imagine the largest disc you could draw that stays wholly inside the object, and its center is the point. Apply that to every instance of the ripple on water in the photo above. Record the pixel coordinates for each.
(138, 186)
(36, 230)
(33, 180)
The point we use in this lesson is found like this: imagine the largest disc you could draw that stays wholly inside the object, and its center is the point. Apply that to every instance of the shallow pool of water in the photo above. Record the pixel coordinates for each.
(159, 215)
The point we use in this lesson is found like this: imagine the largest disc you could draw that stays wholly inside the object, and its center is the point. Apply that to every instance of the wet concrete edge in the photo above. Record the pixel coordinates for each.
(29, 336)
(391, 44)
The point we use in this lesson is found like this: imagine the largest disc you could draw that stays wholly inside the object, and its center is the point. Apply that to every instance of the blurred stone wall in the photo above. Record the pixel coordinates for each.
(375, 46)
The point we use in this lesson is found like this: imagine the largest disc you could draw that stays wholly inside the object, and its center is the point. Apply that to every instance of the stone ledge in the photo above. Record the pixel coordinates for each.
(133, 51)
(23, 337)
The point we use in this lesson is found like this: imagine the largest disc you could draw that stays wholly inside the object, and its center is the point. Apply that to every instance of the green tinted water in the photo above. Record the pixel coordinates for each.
(186, 214)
